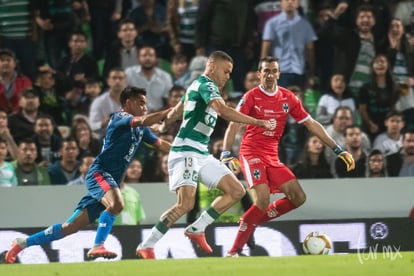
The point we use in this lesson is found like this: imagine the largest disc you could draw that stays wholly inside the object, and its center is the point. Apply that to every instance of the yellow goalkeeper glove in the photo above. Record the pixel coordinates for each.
(346, 157)
(230, 161)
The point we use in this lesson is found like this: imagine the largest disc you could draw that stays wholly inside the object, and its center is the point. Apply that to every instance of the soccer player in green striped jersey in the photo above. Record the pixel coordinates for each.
(189, 160)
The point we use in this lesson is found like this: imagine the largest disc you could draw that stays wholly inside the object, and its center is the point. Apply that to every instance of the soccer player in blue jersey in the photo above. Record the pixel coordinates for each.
(126, 130)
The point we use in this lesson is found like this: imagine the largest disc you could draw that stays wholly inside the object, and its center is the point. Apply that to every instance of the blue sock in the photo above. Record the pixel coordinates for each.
(52, 233)
(104, 227)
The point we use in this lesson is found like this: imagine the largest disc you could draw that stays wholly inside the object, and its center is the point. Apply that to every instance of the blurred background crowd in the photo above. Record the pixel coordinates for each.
(64, 63)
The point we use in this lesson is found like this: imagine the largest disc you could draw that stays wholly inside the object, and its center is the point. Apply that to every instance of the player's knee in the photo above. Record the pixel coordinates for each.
(299, 199)
(116, 208)
(238, 193)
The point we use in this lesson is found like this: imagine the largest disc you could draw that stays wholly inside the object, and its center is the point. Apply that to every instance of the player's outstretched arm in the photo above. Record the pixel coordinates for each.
(230, 114)
(176, 113)
(316, 128)
(163, 146)
(150, 119)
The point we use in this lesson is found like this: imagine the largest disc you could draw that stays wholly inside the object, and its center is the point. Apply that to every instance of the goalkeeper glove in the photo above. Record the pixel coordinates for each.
(346, 157)
(230, 161)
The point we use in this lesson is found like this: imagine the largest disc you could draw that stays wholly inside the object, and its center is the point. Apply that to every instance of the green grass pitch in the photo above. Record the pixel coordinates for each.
(401, 263)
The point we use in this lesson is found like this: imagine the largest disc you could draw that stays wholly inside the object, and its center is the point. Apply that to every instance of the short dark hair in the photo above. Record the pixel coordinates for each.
(125, 21)
(266, 59)
(131, 92)
(220, 55)
(393, 113)
(26, 140)
(351, 127)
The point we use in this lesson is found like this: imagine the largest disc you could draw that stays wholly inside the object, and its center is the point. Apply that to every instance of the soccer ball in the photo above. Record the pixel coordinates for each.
(317, 243)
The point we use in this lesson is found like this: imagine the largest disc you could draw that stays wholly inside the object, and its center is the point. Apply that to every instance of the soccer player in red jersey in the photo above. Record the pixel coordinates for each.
(259, 160)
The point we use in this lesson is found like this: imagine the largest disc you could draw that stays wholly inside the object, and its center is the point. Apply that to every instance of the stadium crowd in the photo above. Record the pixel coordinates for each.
(64, 64)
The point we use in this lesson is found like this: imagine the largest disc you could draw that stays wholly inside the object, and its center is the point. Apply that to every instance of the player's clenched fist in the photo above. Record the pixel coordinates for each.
(346, 157)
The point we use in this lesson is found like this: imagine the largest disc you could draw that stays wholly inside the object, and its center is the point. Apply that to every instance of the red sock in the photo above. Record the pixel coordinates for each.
(276, 209)
(248, 223)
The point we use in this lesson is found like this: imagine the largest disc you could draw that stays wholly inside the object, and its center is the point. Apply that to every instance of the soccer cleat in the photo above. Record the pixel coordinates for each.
(235, 254)
(17, 246)
(145, 253)
(100, 252)
(199, 238)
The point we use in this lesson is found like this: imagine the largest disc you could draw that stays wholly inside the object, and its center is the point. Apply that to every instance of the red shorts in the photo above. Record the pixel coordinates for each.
(256, 172)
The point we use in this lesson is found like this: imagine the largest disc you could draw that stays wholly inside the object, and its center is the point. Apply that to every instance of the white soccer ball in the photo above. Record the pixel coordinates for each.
(317, 243)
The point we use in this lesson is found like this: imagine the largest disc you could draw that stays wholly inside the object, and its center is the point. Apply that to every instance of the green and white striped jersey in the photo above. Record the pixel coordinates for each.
(199, 119)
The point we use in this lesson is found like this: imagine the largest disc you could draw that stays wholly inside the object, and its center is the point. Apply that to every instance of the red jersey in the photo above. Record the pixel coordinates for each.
(274, 106)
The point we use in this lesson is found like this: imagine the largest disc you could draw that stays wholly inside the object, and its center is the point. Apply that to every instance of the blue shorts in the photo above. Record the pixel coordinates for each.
(97, 183)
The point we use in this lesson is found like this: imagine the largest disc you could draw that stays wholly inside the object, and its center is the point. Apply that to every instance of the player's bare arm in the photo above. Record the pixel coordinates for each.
(230, 135)
(230, 114)
(316, 128)
(163, 146)
(175, 113)
(149, 119)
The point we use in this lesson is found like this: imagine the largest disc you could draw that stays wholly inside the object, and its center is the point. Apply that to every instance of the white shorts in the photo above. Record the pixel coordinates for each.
(189, 168)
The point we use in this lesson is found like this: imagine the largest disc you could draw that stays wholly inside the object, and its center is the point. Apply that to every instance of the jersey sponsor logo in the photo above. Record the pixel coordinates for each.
(269, 133)
(269, 111)
(285, 107)
(123, 114)
(257, 173)
(254, 161)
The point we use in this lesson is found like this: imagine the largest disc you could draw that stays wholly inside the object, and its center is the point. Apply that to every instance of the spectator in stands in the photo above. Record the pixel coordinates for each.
(48, 141)
(400, 54)
(390, 141)
(377, 97)
(337, 95)
(17, 33)
(107, 103)
(51, 92)
(312, 163)
(353, 144)
(341, 119)
(376, 166)
(153, 79)
(402, 162)
(92, 90)
(78, 66)
(133, 212)
(380, 9)
(214, 31)
(354, 48)
(161, 172)
(180, 70)
(280, 33)
(12, 83)
(7, 174)
(21, 124)
(174, 96)
(5, 134)
(294, 135)
(404, 12)
(28, 172)
(196, 67)
(56, 20)
(150, 18)
(181, 24)
(123, 52)
(251, 80)
(82, 133)
(67, 168)
(86, 162)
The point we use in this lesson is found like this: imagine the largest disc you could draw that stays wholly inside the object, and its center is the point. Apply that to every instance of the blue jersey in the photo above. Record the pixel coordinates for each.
(120, 144)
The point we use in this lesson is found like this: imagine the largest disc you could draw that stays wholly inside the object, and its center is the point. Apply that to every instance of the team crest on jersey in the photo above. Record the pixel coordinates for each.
(285, 107)
(186, 174)
(257, 174)
(123, 114)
